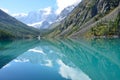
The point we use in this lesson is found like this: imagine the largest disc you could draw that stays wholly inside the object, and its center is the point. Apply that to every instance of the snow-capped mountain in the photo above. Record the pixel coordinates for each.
(42, 19)
(65, 12)
(38, 19)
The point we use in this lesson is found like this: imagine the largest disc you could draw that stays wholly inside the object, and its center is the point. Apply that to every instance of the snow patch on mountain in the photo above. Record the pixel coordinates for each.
(20, 15)
(64, 13)
(43, 18)
(36, 25)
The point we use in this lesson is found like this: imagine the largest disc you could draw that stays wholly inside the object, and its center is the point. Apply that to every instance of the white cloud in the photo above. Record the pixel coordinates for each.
(36, 51)
(65, 3)
(21, 61)
(19, 14)
(5, 10)
(49, 63)
(71, 72)
(46, 10)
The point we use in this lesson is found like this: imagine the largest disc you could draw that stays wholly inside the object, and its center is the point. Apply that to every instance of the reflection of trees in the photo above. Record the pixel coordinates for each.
(14, 49)
(108, 48)
(105, 49)
(3, 44)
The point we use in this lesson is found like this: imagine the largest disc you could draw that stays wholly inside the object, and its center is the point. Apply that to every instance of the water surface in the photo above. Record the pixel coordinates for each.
(97, 59)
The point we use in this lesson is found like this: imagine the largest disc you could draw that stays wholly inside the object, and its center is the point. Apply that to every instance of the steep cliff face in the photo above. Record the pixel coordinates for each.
(85, 14)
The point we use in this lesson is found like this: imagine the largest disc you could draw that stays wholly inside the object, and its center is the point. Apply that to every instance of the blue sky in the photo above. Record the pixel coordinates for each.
(25, 6)
(18, 6)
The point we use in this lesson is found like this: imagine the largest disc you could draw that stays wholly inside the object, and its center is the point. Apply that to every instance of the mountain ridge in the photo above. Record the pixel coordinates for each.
(38, 19)
(83, 13)
(12, 28)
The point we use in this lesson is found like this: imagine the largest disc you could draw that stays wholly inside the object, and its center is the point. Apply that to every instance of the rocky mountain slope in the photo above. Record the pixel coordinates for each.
(12, 28)
(90, 18)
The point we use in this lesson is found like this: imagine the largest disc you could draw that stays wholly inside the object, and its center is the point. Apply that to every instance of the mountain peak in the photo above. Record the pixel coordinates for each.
(47, 15)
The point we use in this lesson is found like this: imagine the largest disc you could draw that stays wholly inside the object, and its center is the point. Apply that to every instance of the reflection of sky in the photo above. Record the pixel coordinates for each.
(71, 73)
(37, 51)
(6, 66)
(22, 60)
(66, 60)
(48, 63)
(48, 60)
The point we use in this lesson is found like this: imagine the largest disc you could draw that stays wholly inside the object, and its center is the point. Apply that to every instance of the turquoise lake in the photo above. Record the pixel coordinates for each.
(80, 59)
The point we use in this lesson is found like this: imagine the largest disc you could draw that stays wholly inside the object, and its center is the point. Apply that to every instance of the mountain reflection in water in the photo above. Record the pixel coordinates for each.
(66, 59)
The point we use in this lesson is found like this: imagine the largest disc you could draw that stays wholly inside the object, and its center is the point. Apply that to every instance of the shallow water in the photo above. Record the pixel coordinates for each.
(97, 59)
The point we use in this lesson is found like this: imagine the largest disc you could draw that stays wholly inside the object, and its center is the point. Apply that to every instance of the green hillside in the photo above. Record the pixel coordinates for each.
(10, 28)
(101, 17)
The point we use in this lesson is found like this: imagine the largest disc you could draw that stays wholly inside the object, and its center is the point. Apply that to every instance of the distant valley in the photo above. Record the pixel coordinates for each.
(42, 19)
(10, 28)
